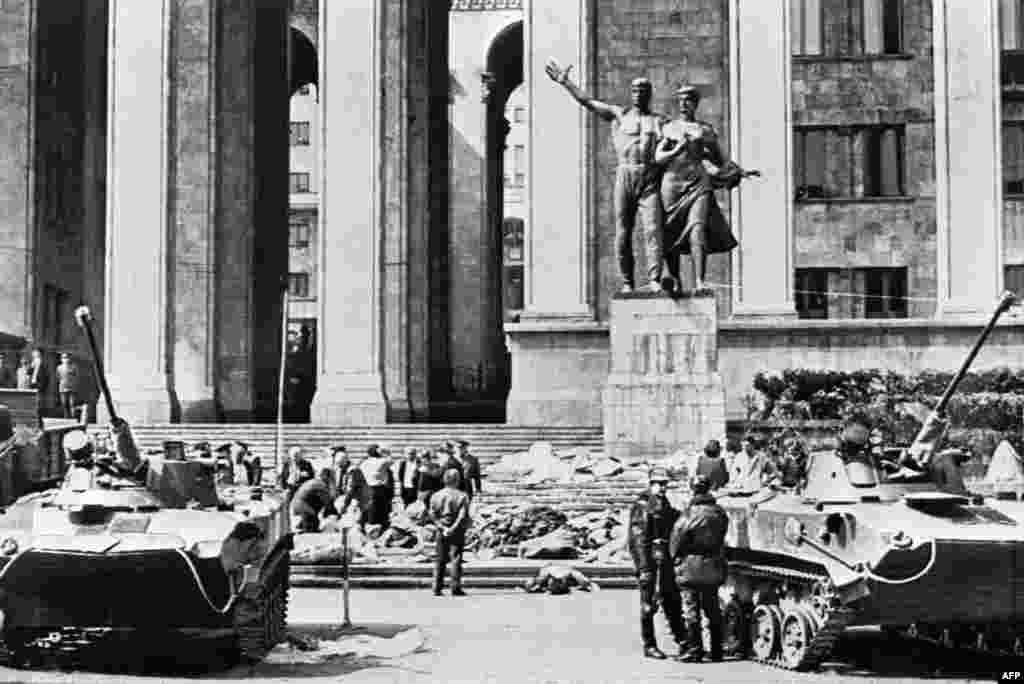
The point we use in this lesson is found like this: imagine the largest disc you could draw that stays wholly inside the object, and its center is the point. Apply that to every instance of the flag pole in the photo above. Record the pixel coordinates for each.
(279, 439)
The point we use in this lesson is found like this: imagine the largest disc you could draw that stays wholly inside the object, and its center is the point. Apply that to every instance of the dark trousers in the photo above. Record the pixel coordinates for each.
(697, 599)
(661, 589)
(408, 496)
(380, 507)
(448, 549)
(67, 404)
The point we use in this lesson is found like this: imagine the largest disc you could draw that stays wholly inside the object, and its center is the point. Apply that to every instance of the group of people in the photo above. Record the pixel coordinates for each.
(680, 564)
(435, 487)
(752, 463)
(32, 373)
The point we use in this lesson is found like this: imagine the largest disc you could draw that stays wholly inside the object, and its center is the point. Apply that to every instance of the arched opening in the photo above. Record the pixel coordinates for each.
(303, 224)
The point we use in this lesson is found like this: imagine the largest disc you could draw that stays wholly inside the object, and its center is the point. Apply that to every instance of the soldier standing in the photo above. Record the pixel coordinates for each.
(650, 524)
(67, 384)
(698, 548)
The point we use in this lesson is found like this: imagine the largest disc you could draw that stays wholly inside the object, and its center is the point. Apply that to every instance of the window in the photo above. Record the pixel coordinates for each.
(1013, 275)
(298, 133)
(513, 289)
(298, 233)
(520, 115)
(519, 166)
(848, 161)
(1013, 157)
(851, 292)
(811, 286)
(298, 285)
(512, 240)
(886, 290)
(1011, 28)
(298, 183)
(805, 20)
(883, 27)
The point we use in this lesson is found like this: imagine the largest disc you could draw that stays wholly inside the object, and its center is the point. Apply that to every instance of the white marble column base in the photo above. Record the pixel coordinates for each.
(349, 399)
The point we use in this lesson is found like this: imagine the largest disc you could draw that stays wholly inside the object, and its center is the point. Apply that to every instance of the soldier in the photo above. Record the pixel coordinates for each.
(698, 549)
(67, 384)
(650, 524)
(473, 483)
(712, 466)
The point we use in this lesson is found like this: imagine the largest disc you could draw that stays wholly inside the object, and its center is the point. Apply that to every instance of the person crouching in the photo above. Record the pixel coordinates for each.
(449, 511)
(312, 498)
(697, 547)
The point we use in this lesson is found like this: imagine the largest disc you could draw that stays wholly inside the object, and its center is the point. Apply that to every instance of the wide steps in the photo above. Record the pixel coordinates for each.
(496, 575)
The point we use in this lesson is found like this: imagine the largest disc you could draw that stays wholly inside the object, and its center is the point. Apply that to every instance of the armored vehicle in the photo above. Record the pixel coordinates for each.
(894, 540)
(148, 552)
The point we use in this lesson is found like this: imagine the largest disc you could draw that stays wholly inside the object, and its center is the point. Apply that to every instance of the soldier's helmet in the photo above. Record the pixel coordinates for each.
(658, 474)
(700, 484)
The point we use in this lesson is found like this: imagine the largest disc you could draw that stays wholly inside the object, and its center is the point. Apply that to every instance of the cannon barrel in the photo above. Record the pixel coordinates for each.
(934, 429)
(84, 318)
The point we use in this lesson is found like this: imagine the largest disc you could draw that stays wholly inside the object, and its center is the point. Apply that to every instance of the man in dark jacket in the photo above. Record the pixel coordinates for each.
(449, 512)
(473, 483)
(352, 486)
(698, 549)
(712, 466)
(650, 524)
(312, 498)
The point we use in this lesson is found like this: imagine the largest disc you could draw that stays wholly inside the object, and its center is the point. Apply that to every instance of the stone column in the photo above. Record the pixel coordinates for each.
(16, 170)
(136, 274)
(968, 156)
(350, 387)
(761, 138)
(557, 223)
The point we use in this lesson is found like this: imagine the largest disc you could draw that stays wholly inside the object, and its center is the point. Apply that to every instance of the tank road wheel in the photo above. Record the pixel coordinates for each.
(261, 619)
(735, 631)
(797, 632)
(765, 632)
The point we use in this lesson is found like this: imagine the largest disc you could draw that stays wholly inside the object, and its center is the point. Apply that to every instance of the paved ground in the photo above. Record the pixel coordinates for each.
(516, 638)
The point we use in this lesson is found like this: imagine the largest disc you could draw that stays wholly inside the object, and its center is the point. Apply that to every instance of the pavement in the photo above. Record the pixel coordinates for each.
(497, 636)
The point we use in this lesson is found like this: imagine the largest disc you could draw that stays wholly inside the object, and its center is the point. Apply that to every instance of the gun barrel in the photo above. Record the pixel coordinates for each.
(84, 318)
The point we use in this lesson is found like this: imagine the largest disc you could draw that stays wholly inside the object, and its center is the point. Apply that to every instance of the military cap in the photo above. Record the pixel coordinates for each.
(462, 442)
(700, 484)
(658, 474)
(687, 89)
(712, 448)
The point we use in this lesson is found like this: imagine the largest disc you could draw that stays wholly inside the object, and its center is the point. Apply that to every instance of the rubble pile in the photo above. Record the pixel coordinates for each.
(542, 464)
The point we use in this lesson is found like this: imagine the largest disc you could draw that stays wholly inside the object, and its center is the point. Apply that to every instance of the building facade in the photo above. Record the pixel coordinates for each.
(887, 220)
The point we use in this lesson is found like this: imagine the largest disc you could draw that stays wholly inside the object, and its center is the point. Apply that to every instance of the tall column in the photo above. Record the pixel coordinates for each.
(761, 138)
(136, 276)
(350, 387)
(968, 155)
(557, 222)
(17, 170)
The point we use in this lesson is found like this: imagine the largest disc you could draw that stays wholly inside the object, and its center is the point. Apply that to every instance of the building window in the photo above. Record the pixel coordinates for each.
(298, 183)
(298, 133)
(512, 240)
(848, 161)
(298, 285)
(1013, 157)
(883, 26)
(298, 234)
(1013, 276)
(851, 292)
(519, 166)
(811, 286)
(519, 115)
(886, 290)
(805, 18)
(513, 289)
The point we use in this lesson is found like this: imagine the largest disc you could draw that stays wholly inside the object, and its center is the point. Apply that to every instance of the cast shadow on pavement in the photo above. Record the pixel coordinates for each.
(874, 656)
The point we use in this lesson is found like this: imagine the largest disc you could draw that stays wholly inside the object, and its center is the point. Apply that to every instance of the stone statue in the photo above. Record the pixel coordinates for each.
(636, 131)
(694, 167)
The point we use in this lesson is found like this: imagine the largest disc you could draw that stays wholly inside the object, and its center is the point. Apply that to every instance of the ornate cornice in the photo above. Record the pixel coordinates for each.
(485, 5)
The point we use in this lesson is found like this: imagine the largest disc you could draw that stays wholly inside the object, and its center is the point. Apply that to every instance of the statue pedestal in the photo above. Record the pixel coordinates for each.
(664, 392)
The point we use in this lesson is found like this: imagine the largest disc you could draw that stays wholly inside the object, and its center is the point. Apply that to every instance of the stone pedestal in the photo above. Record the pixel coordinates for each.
(664, 391)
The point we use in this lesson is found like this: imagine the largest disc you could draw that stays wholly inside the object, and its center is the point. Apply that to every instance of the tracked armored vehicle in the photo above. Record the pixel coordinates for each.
(894, 541)
(149, 553)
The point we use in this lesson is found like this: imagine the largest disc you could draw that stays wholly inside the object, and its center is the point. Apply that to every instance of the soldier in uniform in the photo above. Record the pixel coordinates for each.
(698, 549)
(650, 524)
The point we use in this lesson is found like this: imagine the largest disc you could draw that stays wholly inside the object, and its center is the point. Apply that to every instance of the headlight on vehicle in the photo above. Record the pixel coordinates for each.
(9, 546)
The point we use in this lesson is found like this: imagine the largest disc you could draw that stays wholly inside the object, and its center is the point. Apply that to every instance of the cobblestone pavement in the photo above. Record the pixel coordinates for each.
(493, 636)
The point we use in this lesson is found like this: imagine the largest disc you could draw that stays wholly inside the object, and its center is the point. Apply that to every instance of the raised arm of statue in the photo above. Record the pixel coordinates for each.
(561, 76)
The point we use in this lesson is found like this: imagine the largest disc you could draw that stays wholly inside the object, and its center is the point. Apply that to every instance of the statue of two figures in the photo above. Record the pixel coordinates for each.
(668, 170)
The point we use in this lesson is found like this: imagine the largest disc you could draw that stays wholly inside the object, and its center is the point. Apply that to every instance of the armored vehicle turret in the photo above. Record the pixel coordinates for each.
(142, 551)
(893, 540)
